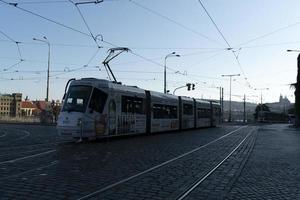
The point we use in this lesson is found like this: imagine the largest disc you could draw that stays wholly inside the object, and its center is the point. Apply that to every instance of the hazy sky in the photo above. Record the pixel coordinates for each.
(259, 31)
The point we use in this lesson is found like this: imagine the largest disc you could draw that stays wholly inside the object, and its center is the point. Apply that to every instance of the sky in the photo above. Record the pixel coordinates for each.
(249, 38)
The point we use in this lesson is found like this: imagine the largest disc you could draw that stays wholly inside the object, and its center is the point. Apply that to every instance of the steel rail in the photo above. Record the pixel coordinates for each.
(26, 157)
(156, 167)
(197, 183)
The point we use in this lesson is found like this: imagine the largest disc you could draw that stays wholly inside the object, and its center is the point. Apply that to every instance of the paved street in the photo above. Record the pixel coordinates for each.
(229, 162)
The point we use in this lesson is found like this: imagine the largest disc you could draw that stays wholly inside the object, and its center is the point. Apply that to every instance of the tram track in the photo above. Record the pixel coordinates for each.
(55, 162)
(24, 135)
(193, 186)
(12, 148)
(13, 155)
(27, 157)
(157, 167)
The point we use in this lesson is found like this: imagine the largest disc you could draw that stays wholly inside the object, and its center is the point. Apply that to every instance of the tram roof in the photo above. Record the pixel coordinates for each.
(102, 83)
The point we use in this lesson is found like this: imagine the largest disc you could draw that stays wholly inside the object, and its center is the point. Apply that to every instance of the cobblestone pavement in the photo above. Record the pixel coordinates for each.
(273, 169)
(37, 164)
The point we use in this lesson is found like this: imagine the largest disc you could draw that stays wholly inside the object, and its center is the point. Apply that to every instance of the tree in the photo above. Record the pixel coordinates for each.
(297, 95)
(259, 108)
(296, 86)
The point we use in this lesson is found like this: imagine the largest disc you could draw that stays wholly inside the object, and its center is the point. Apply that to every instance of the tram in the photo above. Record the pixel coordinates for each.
(96, 108)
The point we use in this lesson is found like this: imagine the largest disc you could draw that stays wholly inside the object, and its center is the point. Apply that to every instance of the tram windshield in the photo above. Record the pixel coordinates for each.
(77, 98)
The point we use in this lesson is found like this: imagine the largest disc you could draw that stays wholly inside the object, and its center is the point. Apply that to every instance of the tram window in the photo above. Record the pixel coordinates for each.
(77, 98)
(138, 105)
(98, 100)
(133, 105)
(203, 113)
(187, 109)
(164, 111)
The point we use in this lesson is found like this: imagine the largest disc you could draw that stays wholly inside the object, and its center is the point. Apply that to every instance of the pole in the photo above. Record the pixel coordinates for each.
(261, 106)
(173, 54)
(45, 40)
(165, 76)
(229, 118)
(222, 105)
(220, 117)
(297, 95)
(48, 71)
(178, 88)
(244, 109)
(230, 76)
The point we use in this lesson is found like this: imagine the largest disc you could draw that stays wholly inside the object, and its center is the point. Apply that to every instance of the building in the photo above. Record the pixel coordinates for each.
(280, 107)
(10, 104)
(28, 108)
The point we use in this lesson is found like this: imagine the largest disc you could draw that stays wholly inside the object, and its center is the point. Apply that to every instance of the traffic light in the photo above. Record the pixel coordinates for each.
(193, 86)
(188, 86)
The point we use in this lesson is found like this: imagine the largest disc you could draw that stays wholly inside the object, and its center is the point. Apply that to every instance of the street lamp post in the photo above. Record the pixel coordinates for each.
(261, 89)
(173, 54)
(230, 76)
(45, 40)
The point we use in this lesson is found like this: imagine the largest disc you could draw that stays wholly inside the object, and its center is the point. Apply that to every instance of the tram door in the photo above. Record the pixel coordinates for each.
(112, 118)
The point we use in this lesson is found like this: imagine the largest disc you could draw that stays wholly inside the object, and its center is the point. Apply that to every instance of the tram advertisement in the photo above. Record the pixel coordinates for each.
(131, 124)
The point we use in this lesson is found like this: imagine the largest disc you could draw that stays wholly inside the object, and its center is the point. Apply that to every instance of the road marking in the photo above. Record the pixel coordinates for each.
(31, 170)
(215, 168)
(26, 157)
(5, 133)
(157, 166)
(34, 145)
(25, 136)
(22, 152)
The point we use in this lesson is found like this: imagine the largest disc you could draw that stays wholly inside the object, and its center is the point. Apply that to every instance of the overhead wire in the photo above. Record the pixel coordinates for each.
(15, 5)
(15, 42)
(269, 33)
(174, 22)
(73, 29)
(86, 34)
(224, 38)
(85, 22)
(42, 2)
(15, 64)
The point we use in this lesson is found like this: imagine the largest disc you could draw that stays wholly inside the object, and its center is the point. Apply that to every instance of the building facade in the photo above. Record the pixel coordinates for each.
(28, 108)
(10, 104)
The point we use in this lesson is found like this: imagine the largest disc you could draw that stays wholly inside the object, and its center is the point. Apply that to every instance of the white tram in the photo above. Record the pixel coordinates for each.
(95, 108)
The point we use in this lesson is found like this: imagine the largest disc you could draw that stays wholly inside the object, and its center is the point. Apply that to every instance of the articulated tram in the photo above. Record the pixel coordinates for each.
(96, 108)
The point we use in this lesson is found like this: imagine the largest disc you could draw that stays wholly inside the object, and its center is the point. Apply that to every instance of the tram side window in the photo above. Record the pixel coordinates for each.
(203, 113)
(187, 109)
(133, 105)
(98, 100)
(164, 111)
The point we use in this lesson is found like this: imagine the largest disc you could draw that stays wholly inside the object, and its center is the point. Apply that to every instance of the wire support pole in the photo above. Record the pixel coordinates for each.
(230, 76)
(45, 40)
(261, 101)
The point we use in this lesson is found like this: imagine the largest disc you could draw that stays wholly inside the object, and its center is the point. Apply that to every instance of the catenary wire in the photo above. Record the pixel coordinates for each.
(229, 46)
(174, 22)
